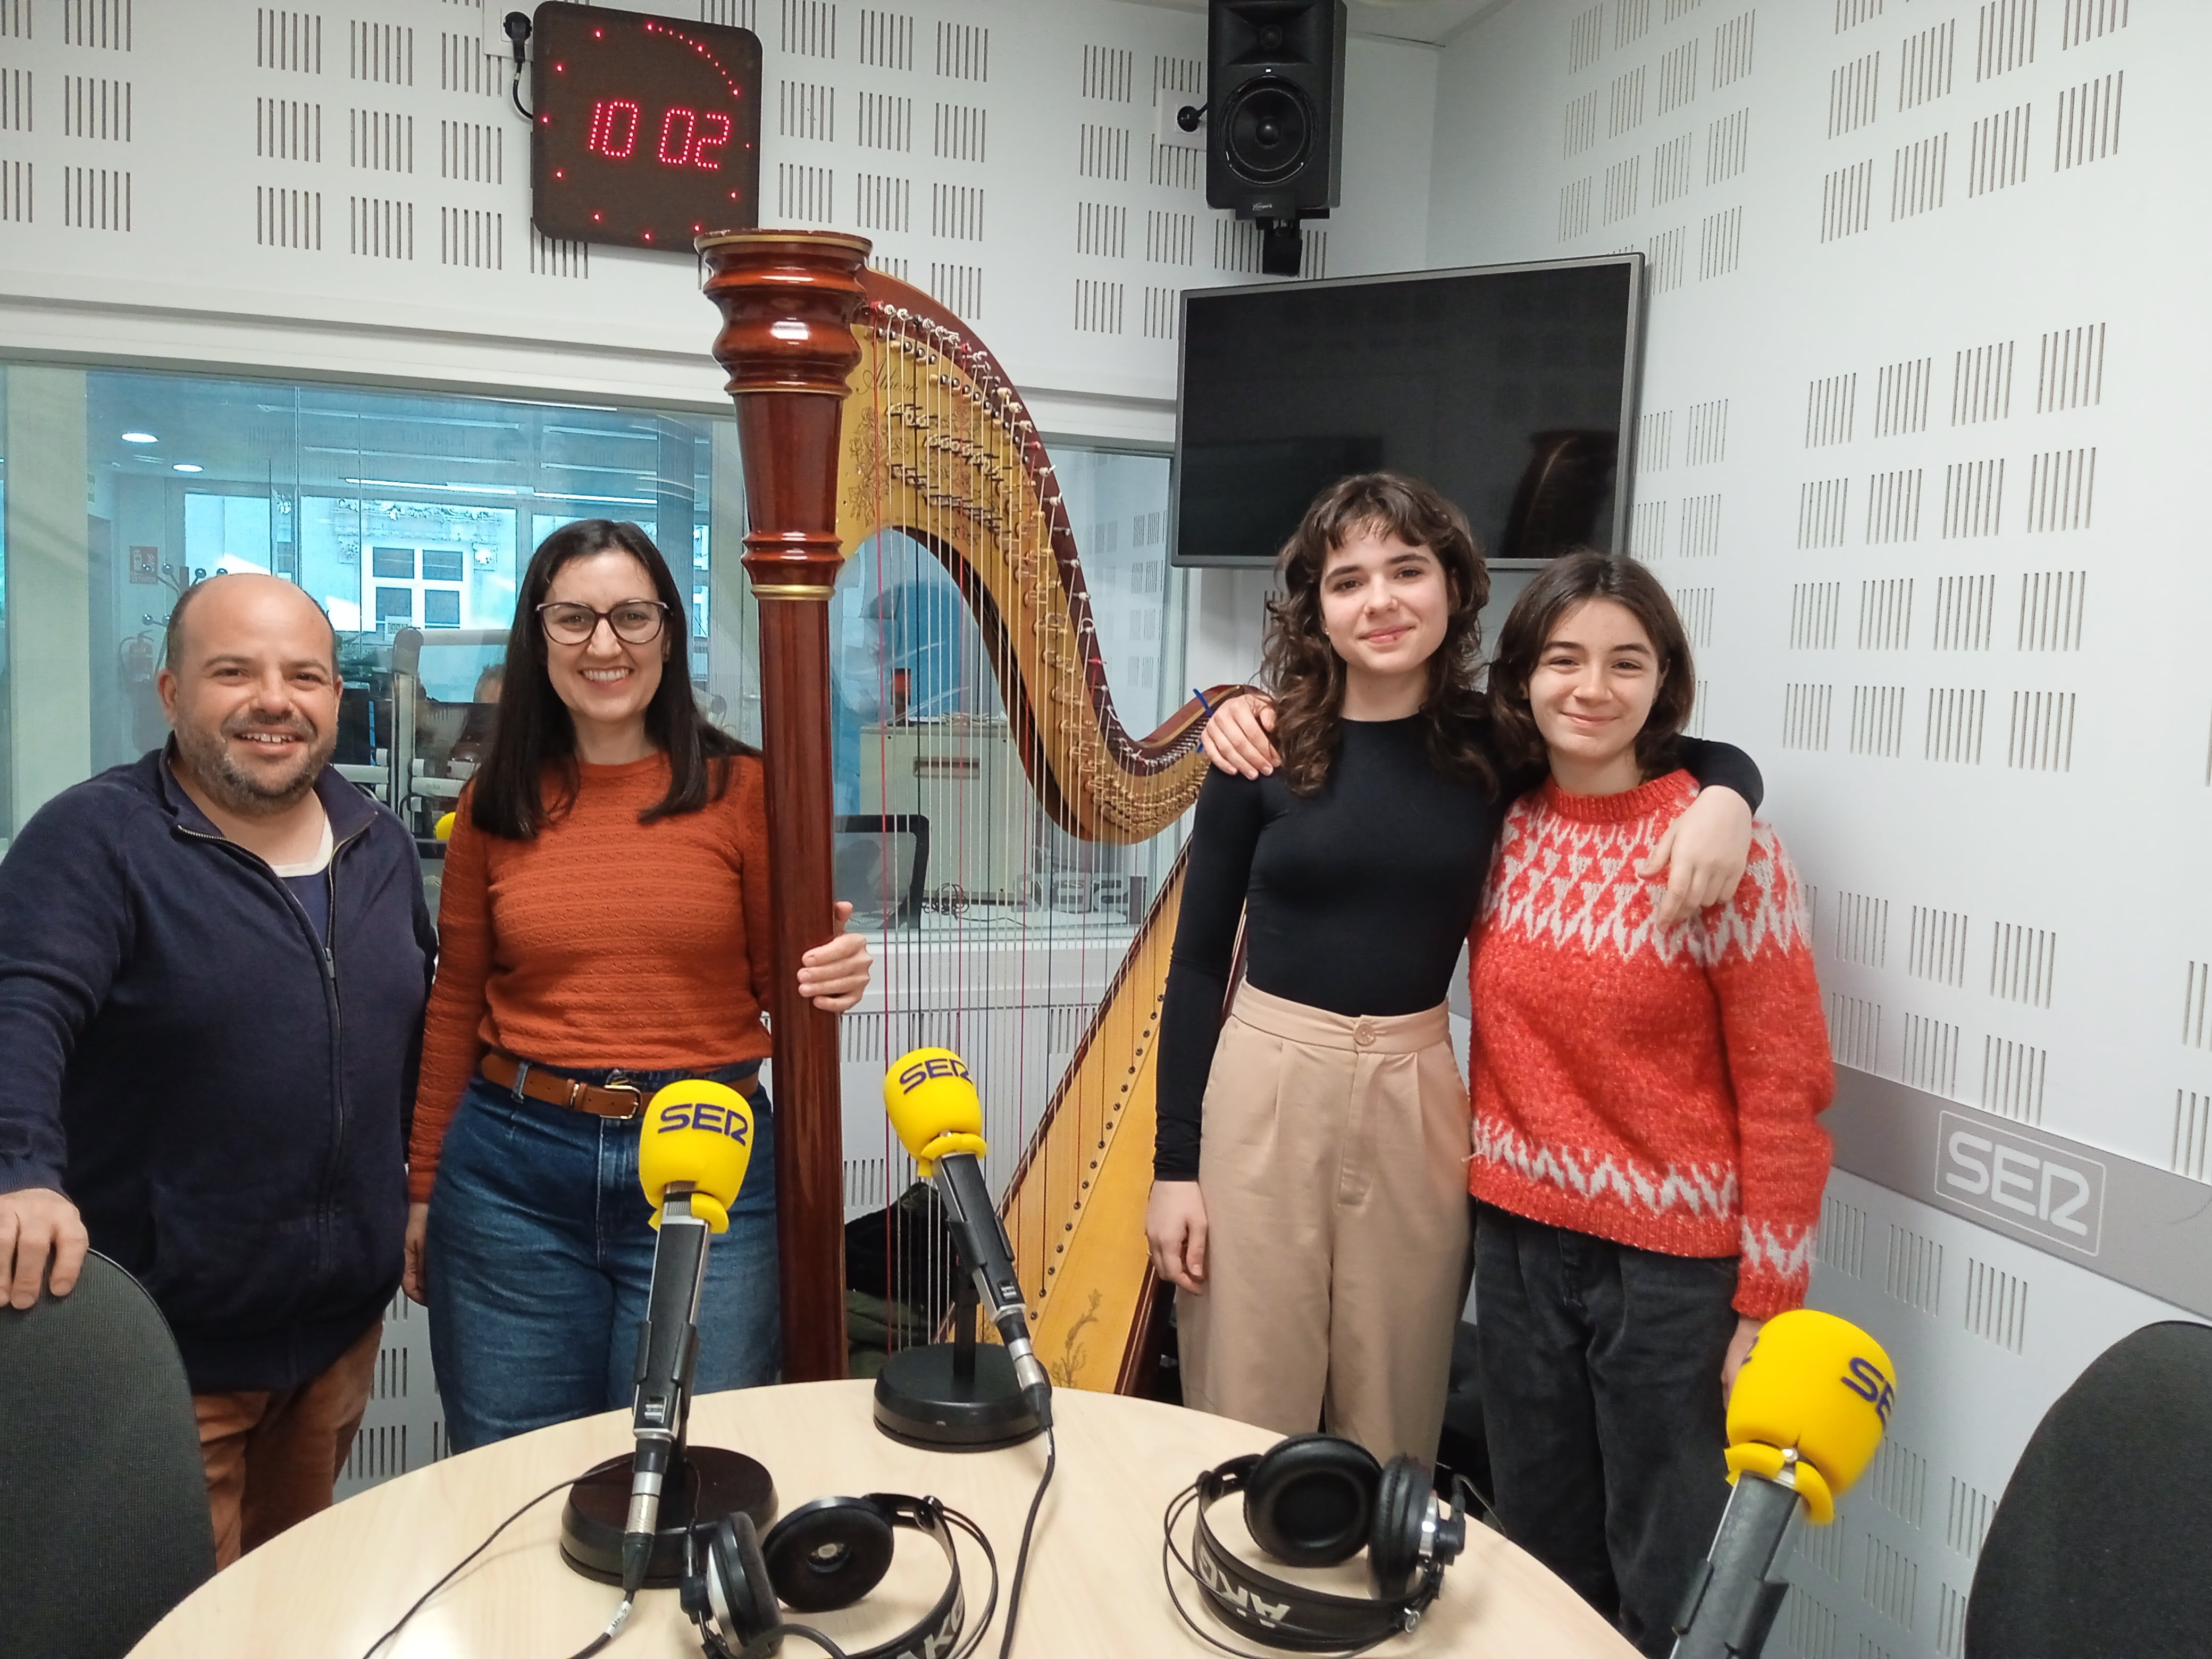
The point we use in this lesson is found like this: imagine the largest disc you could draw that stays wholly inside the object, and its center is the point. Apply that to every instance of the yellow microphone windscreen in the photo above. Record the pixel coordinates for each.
(698, 1131)
(1816, 1385)
(933, 1105)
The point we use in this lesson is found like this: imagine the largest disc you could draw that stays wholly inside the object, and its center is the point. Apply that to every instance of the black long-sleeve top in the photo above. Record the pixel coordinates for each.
(1356, 899)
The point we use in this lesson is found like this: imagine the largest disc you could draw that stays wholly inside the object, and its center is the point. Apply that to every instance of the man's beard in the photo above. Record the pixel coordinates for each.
(247, 793)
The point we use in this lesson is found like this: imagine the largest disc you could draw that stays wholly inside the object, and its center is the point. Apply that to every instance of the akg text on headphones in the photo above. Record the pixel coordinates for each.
(824, 1555)
(1314, 1500)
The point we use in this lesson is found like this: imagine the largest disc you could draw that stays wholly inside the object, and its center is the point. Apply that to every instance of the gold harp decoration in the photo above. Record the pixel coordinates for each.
(937, 446)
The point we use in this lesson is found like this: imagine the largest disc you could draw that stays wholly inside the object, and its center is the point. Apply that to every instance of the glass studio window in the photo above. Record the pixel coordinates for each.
(395, 510)
(919, 732)
(400, 510)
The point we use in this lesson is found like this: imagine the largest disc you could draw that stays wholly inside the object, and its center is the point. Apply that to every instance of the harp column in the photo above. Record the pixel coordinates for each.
(789, 300)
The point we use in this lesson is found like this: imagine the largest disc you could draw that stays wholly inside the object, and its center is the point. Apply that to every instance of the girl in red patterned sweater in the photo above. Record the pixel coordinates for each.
(1647, 1165)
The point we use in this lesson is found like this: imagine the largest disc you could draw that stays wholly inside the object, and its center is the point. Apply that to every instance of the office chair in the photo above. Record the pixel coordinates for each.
(104, 1521)
(2101, 1540)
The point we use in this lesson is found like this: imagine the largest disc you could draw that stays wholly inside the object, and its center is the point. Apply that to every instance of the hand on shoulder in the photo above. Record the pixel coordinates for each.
(1704, 853)
(1239, 737)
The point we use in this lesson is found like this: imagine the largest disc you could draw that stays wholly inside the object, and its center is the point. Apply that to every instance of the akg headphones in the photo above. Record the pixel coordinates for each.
(824, 1555)
(1314, 1500)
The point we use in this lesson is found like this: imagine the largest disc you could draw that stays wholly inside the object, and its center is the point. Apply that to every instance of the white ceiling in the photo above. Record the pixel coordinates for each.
(1431, 20)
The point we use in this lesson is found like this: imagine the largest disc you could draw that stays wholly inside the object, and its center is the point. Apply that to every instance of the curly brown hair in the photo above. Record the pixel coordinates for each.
(1301, 667)
(1574, 577)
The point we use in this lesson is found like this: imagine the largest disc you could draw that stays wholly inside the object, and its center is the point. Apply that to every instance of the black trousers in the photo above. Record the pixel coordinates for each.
(1601, 1401)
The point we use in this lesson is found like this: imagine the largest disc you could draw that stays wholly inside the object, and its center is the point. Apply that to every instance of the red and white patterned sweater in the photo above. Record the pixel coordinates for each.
(1658, 1088)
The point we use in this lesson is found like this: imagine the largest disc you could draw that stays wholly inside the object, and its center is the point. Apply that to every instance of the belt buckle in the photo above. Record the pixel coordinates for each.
(616, 1083)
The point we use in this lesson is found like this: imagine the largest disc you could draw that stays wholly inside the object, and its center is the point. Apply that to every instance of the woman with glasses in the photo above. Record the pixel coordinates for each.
(602, 930)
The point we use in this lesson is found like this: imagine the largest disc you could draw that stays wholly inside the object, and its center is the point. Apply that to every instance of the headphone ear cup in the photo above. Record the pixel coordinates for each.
(1402, 1498)
(736, 1570)
(828, 1553)
(1309, 1502)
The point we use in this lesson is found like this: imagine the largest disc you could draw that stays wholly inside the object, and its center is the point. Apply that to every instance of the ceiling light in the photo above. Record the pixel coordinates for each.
(140, 438)
(458, 488)
(185, 466)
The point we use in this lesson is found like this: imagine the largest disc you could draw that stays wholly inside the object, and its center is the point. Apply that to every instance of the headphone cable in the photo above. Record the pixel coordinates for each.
(769, 1639)
(761, 1644)
(613, 1629)
(1021, 1559)
(614, 1625)
(1181, 1502)
(955, 1518)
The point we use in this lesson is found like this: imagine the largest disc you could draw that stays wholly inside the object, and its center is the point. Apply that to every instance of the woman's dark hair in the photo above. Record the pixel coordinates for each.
(1572, 578)
(1301, 668)
(534, 728)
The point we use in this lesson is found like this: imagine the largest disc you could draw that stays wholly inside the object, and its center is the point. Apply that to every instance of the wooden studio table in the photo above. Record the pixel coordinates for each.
(329, 1586)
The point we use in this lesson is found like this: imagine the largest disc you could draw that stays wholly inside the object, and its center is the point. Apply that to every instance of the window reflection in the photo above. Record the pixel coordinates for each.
(402, 511)
(395, 510)
(1118, 504)
(940, 826)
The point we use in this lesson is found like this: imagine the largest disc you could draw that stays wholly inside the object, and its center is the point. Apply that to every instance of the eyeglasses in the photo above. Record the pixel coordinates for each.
(635, 621)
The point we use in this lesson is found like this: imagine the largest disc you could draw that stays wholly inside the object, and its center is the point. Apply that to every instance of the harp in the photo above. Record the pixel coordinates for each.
(864, 407)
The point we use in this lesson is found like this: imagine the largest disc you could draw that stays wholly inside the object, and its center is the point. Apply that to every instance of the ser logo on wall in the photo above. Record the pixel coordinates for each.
(2051, 1191)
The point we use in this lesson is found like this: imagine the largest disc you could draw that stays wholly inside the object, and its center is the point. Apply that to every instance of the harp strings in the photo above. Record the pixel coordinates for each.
(1033, 763)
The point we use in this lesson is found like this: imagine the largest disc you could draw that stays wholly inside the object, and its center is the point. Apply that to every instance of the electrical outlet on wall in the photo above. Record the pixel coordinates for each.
(495, 29)
(1168, 129)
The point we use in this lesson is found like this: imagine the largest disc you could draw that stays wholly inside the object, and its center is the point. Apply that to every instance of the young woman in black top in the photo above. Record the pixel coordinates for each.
(1308, 1197)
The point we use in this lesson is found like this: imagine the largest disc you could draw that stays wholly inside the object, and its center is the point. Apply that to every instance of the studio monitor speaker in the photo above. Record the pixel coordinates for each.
(1274, 148)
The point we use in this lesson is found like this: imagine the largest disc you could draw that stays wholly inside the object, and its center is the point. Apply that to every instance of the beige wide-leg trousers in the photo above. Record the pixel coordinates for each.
(1334, 1167)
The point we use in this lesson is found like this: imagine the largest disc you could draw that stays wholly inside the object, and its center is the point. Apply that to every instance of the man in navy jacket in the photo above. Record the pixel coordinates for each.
(213, 964)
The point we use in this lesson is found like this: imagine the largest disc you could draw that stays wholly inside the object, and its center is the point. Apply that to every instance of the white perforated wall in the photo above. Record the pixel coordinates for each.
(1934, 270)
(346, 188)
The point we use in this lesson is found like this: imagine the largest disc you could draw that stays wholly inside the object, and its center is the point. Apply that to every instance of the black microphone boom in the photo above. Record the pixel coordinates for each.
(982, 1240)
(958, 1395)
(1733, 1601)
(667, 1347)
(626, 1521)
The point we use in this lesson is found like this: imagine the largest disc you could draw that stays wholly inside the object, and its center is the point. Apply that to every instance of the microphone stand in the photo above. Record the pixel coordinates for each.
(1732, 1603)
(702, 1483)
(959, 1395)
(965, 1304)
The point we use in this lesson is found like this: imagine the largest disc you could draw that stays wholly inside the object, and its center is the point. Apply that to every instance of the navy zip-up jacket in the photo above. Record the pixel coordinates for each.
(220, 1093)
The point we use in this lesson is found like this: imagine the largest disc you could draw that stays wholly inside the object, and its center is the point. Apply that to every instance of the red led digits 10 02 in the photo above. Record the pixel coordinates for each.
(688, 137)
(647, 131)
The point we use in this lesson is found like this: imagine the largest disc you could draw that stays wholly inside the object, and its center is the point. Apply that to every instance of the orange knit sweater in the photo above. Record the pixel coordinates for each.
(1656, 1089)
(604, 942)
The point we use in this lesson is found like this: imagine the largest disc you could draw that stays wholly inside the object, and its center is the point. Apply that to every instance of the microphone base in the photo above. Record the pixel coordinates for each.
(920, 1400)
(707, 1483)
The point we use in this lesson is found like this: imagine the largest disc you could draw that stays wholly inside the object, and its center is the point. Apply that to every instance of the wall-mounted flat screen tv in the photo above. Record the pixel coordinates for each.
(1511, 388)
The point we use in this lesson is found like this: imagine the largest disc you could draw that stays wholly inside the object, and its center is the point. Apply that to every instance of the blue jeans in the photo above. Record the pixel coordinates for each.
(540, 1255)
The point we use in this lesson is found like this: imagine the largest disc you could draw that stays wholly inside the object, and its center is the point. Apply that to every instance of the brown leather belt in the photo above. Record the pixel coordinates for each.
(616, 1100)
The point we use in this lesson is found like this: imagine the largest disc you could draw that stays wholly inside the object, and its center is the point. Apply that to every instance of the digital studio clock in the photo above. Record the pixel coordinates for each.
(646, 130)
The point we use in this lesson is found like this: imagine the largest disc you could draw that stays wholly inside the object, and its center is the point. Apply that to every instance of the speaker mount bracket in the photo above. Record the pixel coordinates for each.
(1282, 248)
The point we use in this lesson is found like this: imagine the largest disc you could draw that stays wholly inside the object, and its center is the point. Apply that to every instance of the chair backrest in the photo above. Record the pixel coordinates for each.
(104, 1522)
(2102, 1543)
